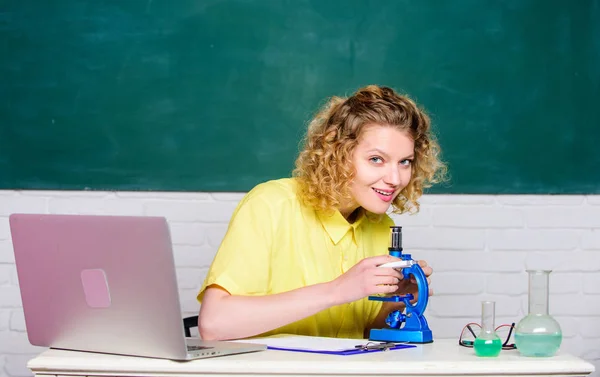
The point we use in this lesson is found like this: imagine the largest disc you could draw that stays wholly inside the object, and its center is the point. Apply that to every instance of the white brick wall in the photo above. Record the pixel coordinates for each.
(478, 245)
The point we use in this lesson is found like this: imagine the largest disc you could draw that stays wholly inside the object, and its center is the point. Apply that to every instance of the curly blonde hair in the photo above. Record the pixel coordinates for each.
(324, 168)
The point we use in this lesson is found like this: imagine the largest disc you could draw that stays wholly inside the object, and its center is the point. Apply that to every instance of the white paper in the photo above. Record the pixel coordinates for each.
(313, 343)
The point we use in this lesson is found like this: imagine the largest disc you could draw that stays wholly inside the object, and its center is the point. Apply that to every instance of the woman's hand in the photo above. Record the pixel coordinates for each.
(406, 286)
(365, 279)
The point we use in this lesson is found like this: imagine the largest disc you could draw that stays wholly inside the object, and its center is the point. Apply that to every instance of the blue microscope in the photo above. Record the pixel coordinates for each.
(415, 329)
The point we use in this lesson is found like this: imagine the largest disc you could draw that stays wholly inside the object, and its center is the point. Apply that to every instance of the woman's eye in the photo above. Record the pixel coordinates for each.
(406, 162)
(377, 160)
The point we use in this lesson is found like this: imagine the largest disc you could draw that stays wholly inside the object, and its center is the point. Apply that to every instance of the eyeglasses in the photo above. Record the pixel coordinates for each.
(470, 331)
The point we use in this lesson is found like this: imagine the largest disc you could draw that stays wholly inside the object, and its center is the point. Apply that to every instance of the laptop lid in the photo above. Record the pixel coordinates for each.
(103, 284)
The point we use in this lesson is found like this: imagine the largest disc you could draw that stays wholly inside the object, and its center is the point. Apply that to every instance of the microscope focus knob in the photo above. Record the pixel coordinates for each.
(395, 319)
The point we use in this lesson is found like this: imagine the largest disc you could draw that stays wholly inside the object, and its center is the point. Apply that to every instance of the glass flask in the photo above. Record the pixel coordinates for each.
(487, 343)
(538, 334)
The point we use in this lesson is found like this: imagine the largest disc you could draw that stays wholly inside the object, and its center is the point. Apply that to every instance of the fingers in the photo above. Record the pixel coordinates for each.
(426, 269)
(414, 281)
(385, 288)
(387, 271)
(380, 259)
(386, 280)
(383, 285)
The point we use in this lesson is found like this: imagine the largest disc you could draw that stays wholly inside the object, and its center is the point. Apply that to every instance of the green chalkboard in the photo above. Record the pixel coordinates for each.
(211, 95)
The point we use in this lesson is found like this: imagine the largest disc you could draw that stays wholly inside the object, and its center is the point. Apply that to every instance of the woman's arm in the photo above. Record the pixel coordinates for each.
(224, 316)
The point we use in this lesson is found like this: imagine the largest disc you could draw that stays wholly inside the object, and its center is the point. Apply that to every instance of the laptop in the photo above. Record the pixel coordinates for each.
(105, 284)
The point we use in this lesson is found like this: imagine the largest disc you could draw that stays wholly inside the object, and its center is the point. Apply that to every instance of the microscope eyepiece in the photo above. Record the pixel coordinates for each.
(395, 238)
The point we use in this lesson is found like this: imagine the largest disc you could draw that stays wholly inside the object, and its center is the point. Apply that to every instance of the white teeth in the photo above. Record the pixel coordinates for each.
(383, 193)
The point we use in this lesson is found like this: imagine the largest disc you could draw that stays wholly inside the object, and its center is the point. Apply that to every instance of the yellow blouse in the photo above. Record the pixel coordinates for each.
(275, 244)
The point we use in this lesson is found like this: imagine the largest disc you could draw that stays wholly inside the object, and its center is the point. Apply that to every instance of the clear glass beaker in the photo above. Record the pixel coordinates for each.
(487, 343)
(538, 334)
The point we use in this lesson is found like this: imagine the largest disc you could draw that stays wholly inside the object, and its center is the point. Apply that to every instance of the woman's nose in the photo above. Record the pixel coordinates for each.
(392, 177)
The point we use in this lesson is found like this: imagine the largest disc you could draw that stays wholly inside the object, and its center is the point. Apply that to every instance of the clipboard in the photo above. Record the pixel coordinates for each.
(326, 346)
(379, 347)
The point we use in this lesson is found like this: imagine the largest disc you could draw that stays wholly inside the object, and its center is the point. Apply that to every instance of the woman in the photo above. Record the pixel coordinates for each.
(300, 255)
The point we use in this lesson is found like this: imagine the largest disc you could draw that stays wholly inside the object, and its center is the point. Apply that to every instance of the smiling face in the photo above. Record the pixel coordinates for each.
(383, 166)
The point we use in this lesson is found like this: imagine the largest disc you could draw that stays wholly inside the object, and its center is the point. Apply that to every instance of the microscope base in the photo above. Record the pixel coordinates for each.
(393, 335)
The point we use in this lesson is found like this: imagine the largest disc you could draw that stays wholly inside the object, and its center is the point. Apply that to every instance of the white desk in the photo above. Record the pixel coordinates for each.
(441, 358)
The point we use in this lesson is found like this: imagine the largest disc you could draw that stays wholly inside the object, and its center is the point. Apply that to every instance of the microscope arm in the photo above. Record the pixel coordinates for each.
(423, 289)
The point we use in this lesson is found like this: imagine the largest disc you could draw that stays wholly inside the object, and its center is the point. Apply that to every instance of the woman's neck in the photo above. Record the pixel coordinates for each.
(350, 213)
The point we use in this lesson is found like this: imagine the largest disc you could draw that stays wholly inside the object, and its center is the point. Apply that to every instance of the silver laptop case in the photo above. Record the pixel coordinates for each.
(104, 284)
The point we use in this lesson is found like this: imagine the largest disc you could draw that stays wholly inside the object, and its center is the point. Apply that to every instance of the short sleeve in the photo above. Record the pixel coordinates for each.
(242, 263)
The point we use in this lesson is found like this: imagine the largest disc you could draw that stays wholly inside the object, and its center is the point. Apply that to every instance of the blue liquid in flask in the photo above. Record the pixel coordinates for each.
(538, 345)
